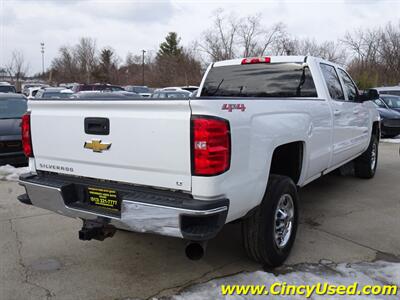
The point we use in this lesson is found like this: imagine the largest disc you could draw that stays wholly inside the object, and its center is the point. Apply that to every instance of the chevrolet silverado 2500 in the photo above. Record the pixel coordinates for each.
(257, 130)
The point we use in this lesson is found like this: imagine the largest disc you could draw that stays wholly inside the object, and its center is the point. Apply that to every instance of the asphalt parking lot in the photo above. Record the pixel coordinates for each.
(343, 219)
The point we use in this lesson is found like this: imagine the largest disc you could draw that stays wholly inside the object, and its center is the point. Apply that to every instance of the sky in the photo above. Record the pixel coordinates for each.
(130, 26)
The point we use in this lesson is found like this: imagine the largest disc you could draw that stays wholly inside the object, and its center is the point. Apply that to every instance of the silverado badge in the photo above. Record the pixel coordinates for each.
(97, 145)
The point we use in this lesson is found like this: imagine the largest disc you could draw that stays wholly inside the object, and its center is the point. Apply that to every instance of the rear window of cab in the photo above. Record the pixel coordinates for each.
(260, 80)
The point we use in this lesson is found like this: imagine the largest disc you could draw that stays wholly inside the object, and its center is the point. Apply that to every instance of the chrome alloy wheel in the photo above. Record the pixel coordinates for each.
(373, 155)
(283, 223)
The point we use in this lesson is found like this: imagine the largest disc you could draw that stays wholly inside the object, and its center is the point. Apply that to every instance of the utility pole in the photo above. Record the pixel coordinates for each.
(42, 51)
(143, 52)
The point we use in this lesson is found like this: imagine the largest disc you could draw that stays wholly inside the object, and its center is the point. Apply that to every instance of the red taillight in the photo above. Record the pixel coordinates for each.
(256, 60)
(211, 145)
(26, 135)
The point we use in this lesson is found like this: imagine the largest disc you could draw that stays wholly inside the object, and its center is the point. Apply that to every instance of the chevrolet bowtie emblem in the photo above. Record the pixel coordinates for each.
(97, 146)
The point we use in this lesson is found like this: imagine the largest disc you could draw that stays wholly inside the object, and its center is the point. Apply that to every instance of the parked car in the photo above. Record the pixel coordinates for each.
(96, 87)
(390, 118)
(163, 94)
(26, 86)
(189, 88)
(53, 92)
(12, 107)
(5, 87)
(260, 129)
(392, 90)
(106, 95)
(143, 91)
(68, 85)
(31, 92)
(392, 101)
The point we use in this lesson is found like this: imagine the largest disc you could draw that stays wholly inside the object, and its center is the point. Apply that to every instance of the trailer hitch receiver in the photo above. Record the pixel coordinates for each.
(96, 231)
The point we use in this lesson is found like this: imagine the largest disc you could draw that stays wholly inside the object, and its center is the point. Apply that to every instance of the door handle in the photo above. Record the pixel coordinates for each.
(356, 111)
(337, 112)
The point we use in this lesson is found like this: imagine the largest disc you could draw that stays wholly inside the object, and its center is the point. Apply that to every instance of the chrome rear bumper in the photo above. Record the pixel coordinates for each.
(141, 211)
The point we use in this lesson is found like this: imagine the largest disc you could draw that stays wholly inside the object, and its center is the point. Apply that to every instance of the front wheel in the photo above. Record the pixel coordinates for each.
(365, 165)
(269, 232)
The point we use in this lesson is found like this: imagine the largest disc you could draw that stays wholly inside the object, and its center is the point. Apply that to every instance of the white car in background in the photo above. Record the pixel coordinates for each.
(189, 88)
(26, 86)
(31, 92)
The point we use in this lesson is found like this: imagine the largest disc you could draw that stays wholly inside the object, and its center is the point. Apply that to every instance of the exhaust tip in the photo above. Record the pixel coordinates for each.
(195, 251)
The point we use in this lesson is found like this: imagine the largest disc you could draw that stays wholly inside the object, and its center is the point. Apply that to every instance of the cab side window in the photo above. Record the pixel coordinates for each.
(332, 82)
(349, 87)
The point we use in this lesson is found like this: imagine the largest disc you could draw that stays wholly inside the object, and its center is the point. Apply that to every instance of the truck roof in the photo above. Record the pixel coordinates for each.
(274, 59)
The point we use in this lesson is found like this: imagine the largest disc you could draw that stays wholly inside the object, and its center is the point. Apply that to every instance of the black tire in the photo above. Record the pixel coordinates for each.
(258, 229)
(365, 165)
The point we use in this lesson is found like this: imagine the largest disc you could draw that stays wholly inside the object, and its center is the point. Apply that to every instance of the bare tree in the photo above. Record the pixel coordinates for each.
(328, 50)
(232, 37)
(375, 56)
(17, 67)
(65, 66)
(219, 42)
(249, 30)
(76, 63)
(364, 44)
(270, 36)
(284, 44)
(390, 50)
(85, 52)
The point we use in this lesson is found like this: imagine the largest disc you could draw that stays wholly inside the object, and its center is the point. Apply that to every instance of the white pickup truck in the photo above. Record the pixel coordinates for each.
(257, 130)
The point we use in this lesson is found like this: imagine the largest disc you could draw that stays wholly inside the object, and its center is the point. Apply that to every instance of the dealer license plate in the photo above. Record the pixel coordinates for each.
(105, 198)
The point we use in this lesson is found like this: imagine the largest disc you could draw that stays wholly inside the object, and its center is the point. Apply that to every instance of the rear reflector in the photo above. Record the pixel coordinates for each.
(256, 60)
(211, 145)
(26, 135)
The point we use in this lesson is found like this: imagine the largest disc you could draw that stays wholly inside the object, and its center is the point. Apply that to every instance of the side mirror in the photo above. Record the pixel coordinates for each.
(373, 94)
(368, 96)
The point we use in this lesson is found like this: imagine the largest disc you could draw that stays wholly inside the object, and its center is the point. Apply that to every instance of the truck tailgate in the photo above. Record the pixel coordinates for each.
(149, 140)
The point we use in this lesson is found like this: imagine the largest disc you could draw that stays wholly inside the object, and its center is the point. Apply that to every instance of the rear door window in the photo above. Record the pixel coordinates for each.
(332, 82)
(260, 80)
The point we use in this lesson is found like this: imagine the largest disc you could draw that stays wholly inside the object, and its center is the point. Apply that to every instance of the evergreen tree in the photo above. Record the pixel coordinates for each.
(171, 46)
(106, 67)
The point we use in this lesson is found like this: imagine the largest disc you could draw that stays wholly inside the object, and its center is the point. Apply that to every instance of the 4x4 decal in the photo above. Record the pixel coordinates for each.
(230, 107)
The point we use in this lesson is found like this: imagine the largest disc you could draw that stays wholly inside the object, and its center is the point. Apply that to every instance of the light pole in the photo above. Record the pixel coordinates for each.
(42, 51)
(143, 52)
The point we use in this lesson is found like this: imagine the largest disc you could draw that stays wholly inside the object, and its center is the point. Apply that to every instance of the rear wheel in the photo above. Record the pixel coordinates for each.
(269, 232)
(365, 165)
